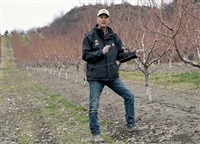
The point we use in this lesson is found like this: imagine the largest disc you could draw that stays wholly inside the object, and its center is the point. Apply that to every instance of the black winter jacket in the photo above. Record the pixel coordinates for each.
(103, 67)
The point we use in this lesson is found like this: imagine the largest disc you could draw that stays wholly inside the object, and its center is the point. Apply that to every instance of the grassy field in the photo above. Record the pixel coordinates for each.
(179, 81)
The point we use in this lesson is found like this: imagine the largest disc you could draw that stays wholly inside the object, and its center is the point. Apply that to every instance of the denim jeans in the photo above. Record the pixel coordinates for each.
(122, 90)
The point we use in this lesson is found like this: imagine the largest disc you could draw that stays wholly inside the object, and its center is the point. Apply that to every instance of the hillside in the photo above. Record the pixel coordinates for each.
(85, 16)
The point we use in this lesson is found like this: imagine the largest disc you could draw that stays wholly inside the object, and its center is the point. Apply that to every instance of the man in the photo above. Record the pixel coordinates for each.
(101, 48)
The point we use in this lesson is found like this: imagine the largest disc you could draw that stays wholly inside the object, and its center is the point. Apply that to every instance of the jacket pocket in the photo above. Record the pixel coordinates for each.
(99, 72)
(89, 69)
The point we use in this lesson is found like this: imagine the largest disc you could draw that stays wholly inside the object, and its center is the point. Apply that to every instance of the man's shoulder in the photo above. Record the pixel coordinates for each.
(116, 37)
(89, 33)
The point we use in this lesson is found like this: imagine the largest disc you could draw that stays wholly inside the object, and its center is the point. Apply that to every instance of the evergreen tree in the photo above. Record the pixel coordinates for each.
(6, 33)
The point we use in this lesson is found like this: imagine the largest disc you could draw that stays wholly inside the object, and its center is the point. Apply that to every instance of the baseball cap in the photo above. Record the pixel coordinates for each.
(103, 11)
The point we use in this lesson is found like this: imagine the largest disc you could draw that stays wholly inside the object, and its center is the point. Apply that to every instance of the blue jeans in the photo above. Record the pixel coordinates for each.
(122, 90)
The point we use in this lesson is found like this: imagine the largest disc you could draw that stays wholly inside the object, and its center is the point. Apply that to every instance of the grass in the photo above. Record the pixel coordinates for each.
(180, 81)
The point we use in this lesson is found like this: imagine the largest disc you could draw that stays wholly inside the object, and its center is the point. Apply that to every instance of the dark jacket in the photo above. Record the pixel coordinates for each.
(101, 66)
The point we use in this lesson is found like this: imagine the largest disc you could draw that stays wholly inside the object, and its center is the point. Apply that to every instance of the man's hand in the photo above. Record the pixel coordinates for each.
(139, 52)
(106, 49)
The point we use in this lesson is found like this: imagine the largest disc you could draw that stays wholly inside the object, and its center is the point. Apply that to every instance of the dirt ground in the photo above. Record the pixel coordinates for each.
(173, 117)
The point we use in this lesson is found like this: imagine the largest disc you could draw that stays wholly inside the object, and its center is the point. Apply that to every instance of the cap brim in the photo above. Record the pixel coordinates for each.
(103, 14)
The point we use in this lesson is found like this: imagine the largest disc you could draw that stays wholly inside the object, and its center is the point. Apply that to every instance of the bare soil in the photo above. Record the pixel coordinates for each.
(173, 117)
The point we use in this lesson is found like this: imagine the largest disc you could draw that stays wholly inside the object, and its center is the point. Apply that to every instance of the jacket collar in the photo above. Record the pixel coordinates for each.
(100, 31)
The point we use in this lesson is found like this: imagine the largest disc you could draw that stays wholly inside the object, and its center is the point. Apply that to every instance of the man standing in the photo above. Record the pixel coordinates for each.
(101, 48)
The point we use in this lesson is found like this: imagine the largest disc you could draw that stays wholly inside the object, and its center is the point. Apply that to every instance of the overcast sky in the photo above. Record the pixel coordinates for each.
(26, 14)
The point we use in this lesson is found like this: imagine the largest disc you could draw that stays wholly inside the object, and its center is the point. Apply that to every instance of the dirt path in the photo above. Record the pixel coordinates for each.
(32, 111)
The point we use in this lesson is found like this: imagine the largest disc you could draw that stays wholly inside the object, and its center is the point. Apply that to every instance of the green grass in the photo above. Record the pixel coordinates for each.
(135, 76)
(25, 139)
(180, 81)
(184, 81)
(56, 103)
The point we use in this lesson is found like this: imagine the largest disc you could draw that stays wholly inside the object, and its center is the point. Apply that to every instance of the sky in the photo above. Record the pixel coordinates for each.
(27, 14)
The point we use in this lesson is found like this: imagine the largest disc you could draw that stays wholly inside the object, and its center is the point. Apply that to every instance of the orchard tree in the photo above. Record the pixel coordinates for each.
(181, 29)
(134, 36)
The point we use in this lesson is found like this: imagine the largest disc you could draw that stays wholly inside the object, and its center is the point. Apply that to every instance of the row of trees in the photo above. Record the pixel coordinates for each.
(170, 33)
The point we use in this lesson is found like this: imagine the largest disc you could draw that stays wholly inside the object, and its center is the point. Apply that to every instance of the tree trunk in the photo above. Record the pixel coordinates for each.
(170, 63)
(198, 53)
(148, 90)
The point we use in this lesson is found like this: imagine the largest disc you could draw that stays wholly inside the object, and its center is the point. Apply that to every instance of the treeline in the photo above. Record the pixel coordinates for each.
(170, 33)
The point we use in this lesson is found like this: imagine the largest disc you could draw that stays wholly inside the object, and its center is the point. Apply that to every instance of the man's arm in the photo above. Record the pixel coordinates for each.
(87, 54)
(122, 56)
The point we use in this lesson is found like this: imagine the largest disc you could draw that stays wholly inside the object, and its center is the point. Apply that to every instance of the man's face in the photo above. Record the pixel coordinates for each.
(103, 21)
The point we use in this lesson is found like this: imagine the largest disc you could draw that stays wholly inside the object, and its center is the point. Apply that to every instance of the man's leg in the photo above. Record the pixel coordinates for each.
(121, 89)
(96, 88)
